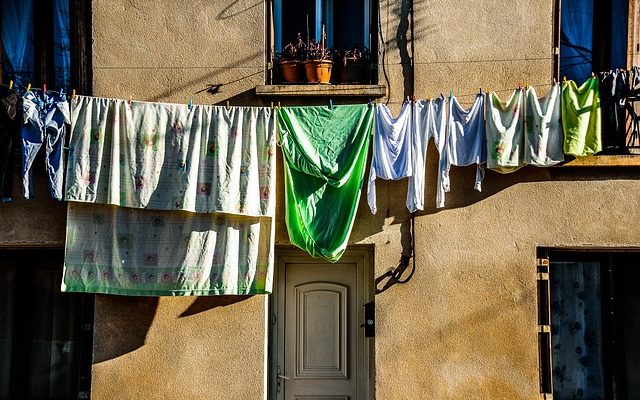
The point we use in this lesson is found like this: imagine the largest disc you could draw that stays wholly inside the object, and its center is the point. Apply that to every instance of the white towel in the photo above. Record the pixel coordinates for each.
(543, 128)
(505, 132)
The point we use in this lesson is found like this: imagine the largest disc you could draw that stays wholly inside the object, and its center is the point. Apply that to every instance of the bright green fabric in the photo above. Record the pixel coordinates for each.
(581, 118)
(325, 154)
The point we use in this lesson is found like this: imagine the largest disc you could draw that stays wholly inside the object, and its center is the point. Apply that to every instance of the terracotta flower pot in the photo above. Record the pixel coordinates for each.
(291, 71)
(318, 71)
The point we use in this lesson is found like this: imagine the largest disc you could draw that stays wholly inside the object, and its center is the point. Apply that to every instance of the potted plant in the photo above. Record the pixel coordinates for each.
(289, 61)
(352, 66)
(318, 62)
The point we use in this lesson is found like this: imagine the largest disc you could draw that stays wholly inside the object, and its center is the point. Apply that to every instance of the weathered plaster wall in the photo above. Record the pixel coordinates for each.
(465, 326)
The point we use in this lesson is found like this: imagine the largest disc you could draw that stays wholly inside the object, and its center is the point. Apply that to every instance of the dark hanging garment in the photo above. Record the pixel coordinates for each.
(614, 89)
(8, 139)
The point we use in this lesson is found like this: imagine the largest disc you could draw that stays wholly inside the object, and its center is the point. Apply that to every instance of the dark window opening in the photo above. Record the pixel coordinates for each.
(350, 28)
(593, 37)
(594, 304)
(45, 335)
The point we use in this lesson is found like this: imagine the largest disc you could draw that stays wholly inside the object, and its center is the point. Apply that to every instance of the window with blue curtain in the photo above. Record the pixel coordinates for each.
(594, 304)
(593, 37)
(45, 348)
(36, 45)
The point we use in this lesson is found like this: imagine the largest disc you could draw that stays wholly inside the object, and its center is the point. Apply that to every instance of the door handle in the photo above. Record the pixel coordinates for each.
(283, 377)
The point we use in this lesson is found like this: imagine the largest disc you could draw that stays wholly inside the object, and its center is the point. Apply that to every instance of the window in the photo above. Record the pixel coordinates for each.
(45, 335)
(347, 26)
(593, 37)
(46, 41)
(594, 303)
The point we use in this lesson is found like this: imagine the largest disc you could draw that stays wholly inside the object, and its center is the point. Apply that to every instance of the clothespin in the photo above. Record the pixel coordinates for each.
(10, 84)
(190, 103)
(555, 81)
(130, 100)
(488, 90)
(414, 98)
(330, 104)
(408, 99)
(451, 93)
(481, 92)
(564, 79)
(278, 104)
(73, 94)
(369, 105)
(29, 87)
(593, 74)
(228, 105)
(272, 105)
(44, 88)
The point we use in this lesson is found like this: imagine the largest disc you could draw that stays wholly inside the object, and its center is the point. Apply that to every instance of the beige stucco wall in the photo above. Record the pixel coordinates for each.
(465, 326)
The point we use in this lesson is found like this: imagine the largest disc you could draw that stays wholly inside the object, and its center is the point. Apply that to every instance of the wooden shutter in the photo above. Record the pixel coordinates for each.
(633, 39)
(544, 328)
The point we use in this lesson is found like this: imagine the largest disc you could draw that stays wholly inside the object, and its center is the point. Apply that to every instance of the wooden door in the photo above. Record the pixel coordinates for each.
(319, 349)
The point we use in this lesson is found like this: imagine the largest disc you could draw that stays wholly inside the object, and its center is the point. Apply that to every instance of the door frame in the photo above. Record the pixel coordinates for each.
(363, 257)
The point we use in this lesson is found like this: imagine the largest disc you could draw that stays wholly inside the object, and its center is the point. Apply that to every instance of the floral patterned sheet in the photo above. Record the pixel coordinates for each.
(182, 199)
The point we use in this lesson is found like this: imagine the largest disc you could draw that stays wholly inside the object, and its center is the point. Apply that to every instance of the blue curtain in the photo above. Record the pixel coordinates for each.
(619, 24)
(62, 51)
(17, 40)
(576, 331)
(576, 39)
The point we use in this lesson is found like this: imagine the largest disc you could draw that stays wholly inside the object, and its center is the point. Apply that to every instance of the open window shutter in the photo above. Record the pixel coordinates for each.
(633, 42)
(544, 328)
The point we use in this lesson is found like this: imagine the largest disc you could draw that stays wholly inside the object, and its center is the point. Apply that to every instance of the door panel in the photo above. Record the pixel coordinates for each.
(319, 346)
(321, 332)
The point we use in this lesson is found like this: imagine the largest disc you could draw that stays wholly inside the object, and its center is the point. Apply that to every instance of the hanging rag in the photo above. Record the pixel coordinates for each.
(581, 118)
(505, 132)
(392, 148)
(45, 119)
(543, 128)
(613, 89)
(465, 144)
(325, 152)
(430, 122)
(8, 140)
(198, 187)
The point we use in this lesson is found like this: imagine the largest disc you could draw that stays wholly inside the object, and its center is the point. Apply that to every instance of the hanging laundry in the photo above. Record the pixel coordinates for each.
(505, 132)
(126, 251)
(581, 118)
(613, 89)
(465, 144)
(45, 119)
(160, 161)
(543, 128)
(325, 152)
(392, 148)
(430, 122)
(8, 140)
(168, 157)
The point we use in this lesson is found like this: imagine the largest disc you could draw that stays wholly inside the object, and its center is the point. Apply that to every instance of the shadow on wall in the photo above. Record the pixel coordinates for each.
(218, 88)
(233, 9)
(128, 331)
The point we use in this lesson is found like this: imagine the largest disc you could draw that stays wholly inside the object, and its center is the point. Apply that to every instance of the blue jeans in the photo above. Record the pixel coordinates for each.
(45, 119)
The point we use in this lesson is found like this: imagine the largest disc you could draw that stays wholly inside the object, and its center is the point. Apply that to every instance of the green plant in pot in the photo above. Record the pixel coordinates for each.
(353, 66)
(318, 62)
(289, 61)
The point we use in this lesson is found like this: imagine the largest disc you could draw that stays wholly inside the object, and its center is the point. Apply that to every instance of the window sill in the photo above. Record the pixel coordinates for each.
(318, 90)
(604, 161)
